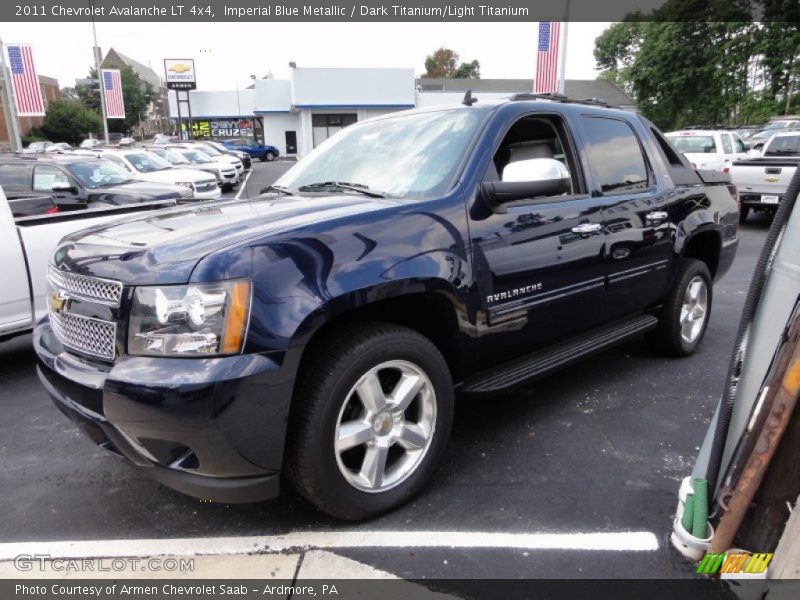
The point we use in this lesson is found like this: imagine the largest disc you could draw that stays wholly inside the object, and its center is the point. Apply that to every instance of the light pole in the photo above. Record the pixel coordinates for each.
(98, 58)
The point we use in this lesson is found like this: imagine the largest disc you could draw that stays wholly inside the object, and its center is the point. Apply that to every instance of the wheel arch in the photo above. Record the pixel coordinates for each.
(704, 244)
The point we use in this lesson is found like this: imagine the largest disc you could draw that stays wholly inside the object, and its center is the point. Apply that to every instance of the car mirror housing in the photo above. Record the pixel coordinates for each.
(525, 179)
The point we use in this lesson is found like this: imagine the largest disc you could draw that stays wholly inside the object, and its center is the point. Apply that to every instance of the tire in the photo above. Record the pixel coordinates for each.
(269, 156)
(744, 211)
(326, 396)
(673, 337)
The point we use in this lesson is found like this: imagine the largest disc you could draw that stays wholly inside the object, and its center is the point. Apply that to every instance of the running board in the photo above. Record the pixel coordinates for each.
(554, 357)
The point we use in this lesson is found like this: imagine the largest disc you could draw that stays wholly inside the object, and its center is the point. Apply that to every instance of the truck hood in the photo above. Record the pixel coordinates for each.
(165, 246)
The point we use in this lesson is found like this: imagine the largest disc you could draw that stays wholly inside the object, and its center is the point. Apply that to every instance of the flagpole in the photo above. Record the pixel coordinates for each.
(562, 67)
(97, 60)
(9, 104)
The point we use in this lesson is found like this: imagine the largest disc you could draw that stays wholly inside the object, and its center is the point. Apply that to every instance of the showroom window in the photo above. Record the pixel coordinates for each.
(324, 126)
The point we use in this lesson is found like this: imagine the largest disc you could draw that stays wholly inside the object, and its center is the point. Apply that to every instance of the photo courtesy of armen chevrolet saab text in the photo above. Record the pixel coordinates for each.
(325, 329)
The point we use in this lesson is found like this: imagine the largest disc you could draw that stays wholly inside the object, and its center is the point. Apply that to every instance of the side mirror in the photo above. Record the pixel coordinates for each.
(532, 178)
(64, 187)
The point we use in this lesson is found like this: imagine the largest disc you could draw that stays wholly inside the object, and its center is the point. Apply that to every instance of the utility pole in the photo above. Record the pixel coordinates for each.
(9, 104)
(98, 58)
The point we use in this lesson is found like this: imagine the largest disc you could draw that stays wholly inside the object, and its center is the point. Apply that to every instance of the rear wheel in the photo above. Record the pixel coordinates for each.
(744, 211)
(268, 156)
(372, 415)
(684, 316)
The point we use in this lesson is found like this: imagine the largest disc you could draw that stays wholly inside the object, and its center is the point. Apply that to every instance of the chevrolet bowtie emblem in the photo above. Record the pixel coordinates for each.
(56, 302)
(770, 179)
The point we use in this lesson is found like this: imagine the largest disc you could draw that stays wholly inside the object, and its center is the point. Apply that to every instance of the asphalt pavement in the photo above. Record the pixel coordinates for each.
(597, 448)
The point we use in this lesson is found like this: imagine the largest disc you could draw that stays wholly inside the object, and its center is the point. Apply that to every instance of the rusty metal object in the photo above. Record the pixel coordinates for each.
(783, 385)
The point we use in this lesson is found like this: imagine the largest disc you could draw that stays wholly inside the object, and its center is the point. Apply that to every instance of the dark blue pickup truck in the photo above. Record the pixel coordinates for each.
(324, 329)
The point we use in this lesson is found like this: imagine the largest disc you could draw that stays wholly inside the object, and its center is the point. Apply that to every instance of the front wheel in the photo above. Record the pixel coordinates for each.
(684, 316)
(269, 156)
(372, 413)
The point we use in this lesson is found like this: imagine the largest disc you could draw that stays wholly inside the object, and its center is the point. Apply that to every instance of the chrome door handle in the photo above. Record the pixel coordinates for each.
(658, 215)
(585, 228)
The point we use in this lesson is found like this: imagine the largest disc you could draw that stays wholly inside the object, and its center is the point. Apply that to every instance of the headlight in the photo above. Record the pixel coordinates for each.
(187, 184)
(198, 319)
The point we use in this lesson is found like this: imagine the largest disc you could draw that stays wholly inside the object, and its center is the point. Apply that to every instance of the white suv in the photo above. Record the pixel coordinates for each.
(151, 167)
(708, 148)
(213, 153)
(185, 158)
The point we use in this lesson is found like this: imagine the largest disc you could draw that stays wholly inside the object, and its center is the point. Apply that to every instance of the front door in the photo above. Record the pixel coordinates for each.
(291, 142)
(538, 262)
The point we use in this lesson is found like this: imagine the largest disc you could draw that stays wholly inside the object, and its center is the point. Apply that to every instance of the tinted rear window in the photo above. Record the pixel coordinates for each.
(615, 156)
(784, 146)
(14, 175)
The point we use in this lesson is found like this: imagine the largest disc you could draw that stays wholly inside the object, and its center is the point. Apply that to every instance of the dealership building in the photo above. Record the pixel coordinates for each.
(298, 114)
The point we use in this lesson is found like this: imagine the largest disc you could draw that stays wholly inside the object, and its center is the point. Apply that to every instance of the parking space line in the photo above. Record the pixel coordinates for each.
(626, 541)
(243, 185)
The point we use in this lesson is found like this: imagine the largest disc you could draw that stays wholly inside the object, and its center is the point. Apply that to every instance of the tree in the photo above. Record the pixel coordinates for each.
(702, 62)
(69, 121)
(136, 94)
(444, 63)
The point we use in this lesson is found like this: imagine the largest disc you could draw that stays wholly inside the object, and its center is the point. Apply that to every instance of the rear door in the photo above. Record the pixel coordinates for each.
(635, 212)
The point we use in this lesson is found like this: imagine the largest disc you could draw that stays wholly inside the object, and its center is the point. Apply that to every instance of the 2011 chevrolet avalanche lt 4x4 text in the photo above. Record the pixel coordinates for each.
(323, 328)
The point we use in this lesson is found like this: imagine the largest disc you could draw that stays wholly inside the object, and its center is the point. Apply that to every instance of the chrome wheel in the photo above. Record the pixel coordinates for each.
(694, 309)
(385, 426)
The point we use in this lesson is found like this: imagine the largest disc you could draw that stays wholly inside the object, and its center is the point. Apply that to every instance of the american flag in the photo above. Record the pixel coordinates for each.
(112, 88)
(547, 58)
(24, 81)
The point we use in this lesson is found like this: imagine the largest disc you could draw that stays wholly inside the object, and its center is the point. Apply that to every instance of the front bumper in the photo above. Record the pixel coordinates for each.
(213, 428)
(211, 194)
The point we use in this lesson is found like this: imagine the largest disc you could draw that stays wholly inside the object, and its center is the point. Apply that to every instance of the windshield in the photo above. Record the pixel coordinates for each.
(97, 173)
(210, 150)
(174, 158)
(412, 155)
(196, 158)
(784, 145)
(777, 125)
(697, 144)
(147, 162)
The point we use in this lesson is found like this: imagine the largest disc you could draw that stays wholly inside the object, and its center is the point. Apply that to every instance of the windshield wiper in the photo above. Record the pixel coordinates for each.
(276, 188)
(351, 187)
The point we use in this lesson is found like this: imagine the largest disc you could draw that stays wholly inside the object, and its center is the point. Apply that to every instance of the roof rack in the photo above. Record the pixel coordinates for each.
(561, 98)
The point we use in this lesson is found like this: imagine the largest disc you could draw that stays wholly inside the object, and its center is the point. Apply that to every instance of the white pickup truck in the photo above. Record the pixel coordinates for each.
(763, 181)
(26, 245)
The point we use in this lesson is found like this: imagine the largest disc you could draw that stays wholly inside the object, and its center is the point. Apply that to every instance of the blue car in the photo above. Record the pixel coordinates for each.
(254, 149)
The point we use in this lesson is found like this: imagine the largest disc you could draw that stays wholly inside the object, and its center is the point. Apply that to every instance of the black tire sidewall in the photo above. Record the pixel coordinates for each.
(342, 499)
(691, 268)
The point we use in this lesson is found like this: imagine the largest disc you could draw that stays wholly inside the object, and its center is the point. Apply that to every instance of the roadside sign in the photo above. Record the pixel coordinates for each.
(179, 74)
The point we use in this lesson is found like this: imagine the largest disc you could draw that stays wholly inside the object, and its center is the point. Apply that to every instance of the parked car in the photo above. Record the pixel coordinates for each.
(227, 177)
(58, 147)
(90, 143)
(762, 182)
(126, 141)
(262, 152)
(147, 166)
(322, 328)
(213, 148)
(78, 182)
(36, 147)
(709, 149)
(29, 239)
(214, 154)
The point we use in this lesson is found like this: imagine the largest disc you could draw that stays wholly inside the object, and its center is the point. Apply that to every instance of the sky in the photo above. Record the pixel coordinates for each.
(227, 54)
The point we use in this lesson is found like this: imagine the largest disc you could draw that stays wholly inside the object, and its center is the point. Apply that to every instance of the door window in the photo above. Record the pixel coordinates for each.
(615, 156)
(14, 175)
(738, 144)
(46, 176)
(727, 147)
(533, 138)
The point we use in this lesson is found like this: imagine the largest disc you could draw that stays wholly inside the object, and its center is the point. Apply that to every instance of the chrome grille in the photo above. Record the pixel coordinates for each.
(206, 186)
(85, 334)
(92, 289)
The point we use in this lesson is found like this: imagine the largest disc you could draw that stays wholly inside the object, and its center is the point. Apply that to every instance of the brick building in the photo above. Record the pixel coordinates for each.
(50, 92)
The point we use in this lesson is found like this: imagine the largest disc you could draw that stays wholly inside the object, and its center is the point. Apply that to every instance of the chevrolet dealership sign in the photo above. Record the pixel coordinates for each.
(179, 73)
